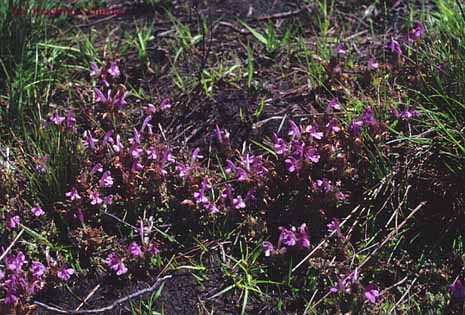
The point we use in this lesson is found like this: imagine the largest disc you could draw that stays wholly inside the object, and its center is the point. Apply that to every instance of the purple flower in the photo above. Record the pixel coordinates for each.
(37, 210)
(41, 163)
(94, 70)
(373, 64)
(183, 170)
(280, 146)
(108, 200)
(95, 198)
(340, 286)
(457, 289)
(114, 69)
(394, 47)
(69, 120)
(211, 207)
(340, 49)
(146, 124)
(332, 126)
(238, 203)
(241, 174)
(90, 141)
(120, 97)
(221, 136)
(2, 275)
(12, 221)
(135, 137)
(10, 298)
(334, 226)
(408, 114)
(371, 293)
(100, 97)
(367, 116)
(57, 119)
(195, 155)
(323, 185)
(153, 249)
(315, 133)
(200, 197)
(230, 167)
(302, 238)
(118, 146)
(333, 104)
(115, 264)
(38, 269)
(416, 32)
(136, 166)
(135, 151)
(355, 126)
(165, 104)
(150, 109)
(268, 248)
(312, 155)
(291, 164)
(152, 153)
(65, 273)
(287, 237)
(134, 249)
(15, 262)
(97, 168)
(108, 137)
(106, 180)
(294, 130)
(73, 194)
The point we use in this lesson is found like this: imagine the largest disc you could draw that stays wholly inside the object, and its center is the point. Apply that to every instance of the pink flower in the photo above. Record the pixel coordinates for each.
(15, 262)
(108, 200)
(315, 133)
(333, 104)
(371, 293)
(135, 151)
(153, 249)
(373, 64)
(57, 119)
(135, 137)
(73, 194)
(38, 269)
(134, 249)
(294, 130)
(146, 124)
(280, 146)
(394, 47)
(457, 289)
(302, 238)
(97, 168)
(37, 210)
(65, 273)
(311, 154)
(165, 104)
(118, 146)
(268, 248)
(238, 203)
(115, 264)
(106, 181)
(108, 138)
(13, 221)
(114, 69)
(95, 198)
(150, 109)
(287, 237)
(94, 70)
(340, 49)
(152, 153)
(90, 141)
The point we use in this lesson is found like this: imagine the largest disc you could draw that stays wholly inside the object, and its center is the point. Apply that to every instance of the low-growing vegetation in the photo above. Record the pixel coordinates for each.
(195, 157)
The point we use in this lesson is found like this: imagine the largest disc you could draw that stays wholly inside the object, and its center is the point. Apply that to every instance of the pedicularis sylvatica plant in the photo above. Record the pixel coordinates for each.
(131, 178)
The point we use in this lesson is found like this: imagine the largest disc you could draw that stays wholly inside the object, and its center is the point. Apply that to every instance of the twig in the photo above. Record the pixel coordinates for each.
(125, 299)
(88, 297)
(11, 245)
